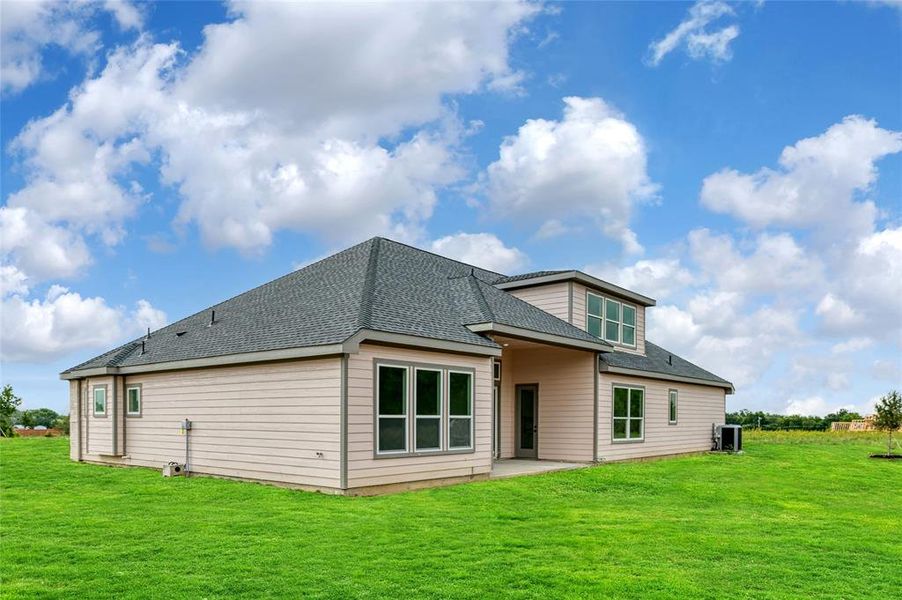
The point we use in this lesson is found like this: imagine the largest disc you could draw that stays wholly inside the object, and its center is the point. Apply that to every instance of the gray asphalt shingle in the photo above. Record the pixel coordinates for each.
(380, 285)
(659, 360)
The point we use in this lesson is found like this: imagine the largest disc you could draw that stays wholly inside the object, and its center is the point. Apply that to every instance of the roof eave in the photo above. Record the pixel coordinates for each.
(209, 361)
(352, 344)
(583, 278)
(538, 336)
(349, 346)
(725, 385)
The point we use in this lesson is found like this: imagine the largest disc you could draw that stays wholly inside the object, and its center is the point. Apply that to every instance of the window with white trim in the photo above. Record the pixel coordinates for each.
(672, 407)
(460, 410)
(100, 401)
(391, 406)
(628, 413)
(423, 409)
(428, 409)
(133, 400)
(611, 320)
(628, 325)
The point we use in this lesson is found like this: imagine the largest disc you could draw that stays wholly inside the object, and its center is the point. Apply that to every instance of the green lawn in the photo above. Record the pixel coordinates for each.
(795, 516)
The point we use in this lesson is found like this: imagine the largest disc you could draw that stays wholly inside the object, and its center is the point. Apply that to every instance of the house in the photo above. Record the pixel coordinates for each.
(385, 367)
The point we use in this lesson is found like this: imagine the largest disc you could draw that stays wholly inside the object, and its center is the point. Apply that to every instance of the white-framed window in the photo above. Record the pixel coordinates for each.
(611, 320)
(496, 370)
(391, 409)
(673, 399)
(133, 400)
(628, 325)
(460, 410)
(422, 409)
(428, 409)
(628, 411)
(594, 314)
(100, 401)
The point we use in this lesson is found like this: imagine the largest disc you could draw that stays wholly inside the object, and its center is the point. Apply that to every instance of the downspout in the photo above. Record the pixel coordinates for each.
(124, 413)
(343, 456)
(79, 410)
(115, 416)
(595, 368)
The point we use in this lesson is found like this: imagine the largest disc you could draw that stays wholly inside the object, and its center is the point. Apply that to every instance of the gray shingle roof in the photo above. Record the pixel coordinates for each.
(379, 285)
(522, 276)
(659, 360)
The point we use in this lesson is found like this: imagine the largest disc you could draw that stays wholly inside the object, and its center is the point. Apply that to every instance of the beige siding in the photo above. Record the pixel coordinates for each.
(566, 401)
(553, 298)
(99, 428)
(698, 407)
(273, 422)
(364, 469)
(579, 316)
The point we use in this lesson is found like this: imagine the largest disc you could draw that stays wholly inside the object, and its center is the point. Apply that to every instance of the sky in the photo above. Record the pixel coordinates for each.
(739, 162)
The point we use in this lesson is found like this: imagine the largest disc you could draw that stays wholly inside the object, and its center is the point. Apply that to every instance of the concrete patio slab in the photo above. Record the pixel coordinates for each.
(515, 467)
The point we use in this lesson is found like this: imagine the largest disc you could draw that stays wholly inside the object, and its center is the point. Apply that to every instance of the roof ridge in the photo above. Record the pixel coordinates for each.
(481, 302)
(454, 260)
(368, 291)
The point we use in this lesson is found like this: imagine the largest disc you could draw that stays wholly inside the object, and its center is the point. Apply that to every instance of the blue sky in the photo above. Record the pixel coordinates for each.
(738, 162)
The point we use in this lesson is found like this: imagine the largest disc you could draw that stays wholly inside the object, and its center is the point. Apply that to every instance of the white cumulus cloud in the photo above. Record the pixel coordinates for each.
(28, 28)
(481, 249)
(589, 165)
(63, 321)
(817, 183)
(657, 278)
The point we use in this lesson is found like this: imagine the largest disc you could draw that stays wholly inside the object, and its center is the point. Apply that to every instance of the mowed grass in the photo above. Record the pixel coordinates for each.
(795, 516)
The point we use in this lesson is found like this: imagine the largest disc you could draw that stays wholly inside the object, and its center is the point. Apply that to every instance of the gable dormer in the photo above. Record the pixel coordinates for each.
(605, 310)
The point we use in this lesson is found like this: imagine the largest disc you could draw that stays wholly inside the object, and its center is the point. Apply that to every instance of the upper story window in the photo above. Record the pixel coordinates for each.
(611, 320)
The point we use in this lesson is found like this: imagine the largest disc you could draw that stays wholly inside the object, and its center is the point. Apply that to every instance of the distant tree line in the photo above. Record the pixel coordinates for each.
(11, 416)
(771, 421)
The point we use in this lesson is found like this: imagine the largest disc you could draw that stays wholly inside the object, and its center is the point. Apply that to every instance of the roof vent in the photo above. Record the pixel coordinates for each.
(148, 333)
(670, 359)
(180, 333)
(212, 318)
(143, 349)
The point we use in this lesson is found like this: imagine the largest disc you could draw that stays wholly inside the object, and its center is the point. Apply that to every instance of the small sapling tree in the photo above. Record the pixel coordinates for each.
(889, 416)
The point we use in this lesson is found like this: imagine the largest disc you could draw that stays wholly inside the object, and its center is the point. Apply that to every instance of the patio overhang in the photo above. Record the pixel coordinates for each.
(539, 337)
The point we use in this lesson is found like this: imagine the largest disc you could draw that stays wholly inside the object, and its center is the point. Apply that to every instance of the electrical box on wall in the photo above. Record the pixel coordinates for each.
(173, 469)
